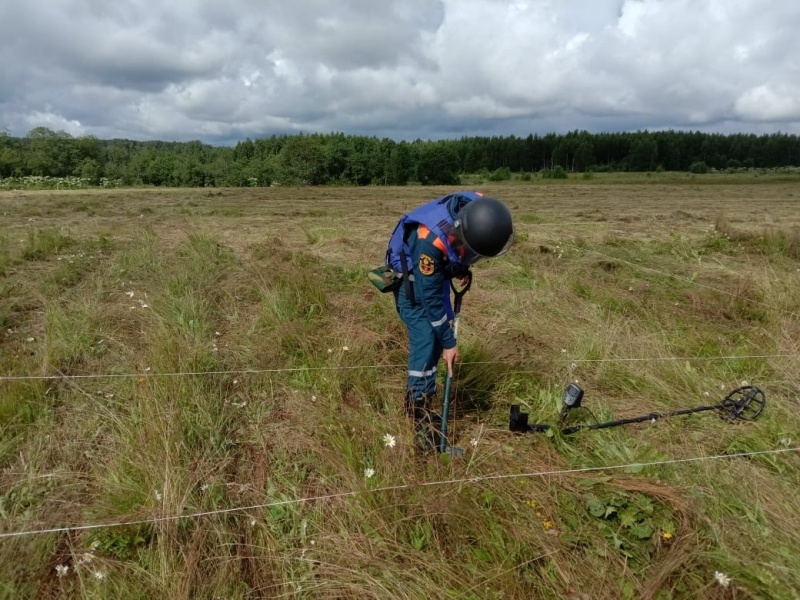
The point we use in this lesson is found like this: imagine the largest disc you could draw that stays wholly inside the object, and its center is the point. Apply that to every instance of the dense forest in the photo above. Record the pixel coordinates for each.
(337, 158)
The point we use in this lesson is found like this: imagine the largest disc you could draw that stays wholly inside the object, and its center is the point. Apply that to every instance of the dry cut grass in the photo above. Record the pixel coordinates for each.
(219, 375)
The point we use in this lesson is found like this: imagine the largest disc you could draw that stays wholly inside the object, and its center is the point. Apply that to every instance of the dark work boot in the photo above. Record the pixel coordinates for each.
(425, 427)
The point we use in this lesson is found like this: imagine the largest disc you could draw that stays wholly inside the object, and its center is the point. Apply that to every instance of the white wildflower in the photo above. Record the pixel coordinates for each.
(129, 294)
(345, 348)
(722, 579)
(30, 339)
(252, 522)
(369, 472)
(473, 442)
(388, 440)
(62, 570)
(744, 383)
(99, 575)
(313, 398)
(158, 495)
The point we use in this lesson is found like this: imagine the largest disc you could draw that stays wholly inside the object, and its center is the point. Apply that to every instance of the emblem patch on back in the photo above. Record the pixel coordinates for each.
(426, 264)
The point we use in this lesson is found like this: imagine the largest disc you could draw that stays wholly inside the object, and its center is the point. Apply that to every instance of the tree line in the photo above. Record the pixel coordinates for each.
(336, 158)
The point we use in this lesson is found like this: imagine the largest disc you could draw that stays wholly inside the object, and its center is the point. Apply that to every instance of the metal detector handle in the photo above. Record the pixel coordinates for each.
(459, 295)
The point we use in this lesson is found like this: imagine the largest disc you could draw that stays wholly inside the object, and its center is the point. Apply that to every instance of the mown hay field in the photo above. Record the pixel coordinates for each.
(196, 385)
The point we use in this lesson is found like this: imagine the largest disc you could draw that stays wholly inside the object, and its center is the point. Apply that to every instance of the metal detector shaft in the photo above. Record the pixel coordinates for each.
(651, 417)
(459, 297)
(748, 397)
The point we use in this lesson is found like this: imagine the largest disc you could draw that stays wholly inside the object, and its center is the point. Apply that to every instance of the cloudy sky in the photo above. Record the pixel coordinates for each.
(224, 70)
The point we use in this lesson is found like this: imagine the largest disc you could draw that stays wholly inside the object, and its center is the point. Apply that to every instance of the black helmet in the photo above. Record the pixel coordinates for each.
(485, 229)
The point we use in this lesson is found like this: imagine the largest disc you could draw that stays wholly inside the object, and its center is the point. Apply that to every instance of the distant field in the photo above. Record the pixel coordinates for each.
(214, 365)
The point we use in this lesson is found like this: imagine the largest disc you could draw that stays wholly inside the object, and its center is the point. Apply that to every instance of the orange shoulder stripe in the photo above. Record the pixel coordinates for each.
(422, 233)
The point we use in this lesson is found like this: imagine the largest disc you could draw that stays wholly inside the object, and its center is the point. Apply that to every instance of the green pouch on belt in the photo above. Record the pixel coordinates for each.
(385, 278)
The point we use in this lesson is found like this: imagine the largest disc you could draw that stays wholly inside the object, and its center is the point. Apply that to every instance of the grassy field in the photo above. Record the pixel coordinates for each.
(198, 383)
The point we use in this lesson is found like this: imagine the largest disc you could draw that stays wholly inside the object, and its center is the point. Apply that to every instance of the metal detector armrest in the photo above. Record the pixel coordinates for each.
(518, 422)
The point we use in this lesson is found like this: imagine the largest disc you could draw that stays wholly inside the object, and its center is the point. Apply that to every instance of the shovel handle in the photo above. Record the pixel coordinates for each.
(459, 294)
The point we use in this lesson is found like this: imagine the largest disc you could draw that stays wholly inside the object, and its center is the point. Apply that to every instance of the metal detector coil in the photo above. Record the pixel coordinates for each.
(743, 404)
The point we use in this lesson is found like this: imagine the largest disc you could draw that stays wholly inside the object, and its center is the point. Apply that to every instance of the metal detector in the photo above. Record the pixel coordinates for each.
(466, 283)
(742, 404)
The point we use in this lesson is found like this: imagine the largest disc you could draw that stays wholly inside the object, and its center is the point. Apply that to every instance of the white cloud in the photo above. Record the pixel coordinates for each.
(762, 103)
(54, 121)
(484, 107)
(219, 70)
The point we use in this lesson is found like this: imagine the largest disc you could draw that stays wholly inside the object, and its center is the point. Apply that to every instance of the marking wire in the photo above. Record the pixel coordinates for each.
(387, 366)
(391, 488)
